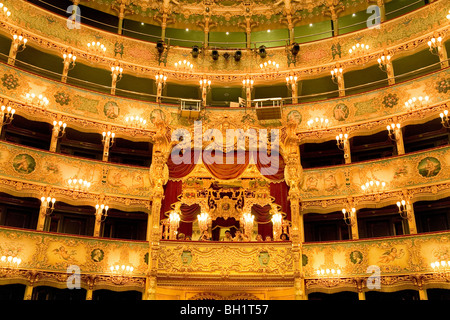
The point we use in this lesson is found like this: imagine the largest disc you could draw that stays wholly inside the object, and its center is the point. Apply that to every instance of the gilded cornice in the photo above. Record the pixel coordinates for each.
(315, 61)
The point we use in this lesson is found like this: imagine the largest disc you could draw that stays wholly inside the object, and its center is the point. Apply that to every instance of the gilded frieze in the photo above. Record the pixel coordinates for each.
(407, 171)
(31, 165)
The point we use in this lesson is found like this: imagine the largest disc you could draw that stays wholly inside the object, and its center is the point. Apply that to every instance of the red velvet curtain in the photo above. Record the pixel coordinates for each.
(171, 192)
(280, 191)
(188, 216)
(263, 218)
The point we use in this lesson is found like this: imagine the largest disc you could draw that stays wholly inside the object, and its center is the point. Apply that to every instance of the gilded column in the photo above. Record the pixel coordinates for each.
(418, 281)
(399, 141)
(411, 219)
(359, 283)
(293, 174)
(159, 175)
(90, 290)
(33, 276)
(28, 292)
(347, 152)
(380, 4)
(121, 7)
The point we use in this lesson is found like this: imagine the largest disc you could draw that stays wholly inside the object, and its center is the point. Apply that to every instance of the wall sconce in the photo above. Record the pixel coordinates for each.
(359, 49)
(328, 273)
(10, 262)
(247, 83)
(248, 220)
(441, 266)
(39, 100)
(136, 121)
(373, 186)
(184, 65)
(69, 59)
(277, 221)
(7, 115)
(291, 81)
(444, 119)
(4, 11)
(416, 103)
(60, 127)
(174, 223)
(349, 216)
(160, 78)
(116, 72)
(383, 61)
(318, 123)
(448, 16)
(335, 73)
(108, 137)
(269, 66)
(48, 204)
(203, 220)
(392, 129)
(205, 83)
(121, 270)
(340, 140)
(402, 209)
(101, 212)
(435, 43)
(96, 48)
(19, 42)
(78, 184)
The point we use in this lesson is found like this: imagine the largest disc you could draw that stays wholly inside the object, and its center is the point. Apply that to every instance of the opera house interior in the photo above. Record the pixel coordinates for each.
(224, 150)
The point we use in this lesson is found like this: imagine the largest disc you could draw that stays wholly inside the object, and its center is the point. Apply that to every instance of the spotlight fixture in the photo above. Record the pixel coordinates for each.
(295, 48)
(160, 46)
(195, 51)
(215, 54)
(237, 55)
(262, 51)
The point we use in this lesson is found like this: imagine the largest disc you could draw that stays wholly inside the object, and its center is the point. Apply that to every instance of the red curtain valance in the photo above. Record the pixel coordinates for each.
(272, 167)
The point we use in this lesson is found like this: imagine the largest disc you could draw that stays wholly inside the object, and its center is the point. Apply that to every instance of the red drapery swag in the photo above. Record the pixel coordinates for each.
(227, 166)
